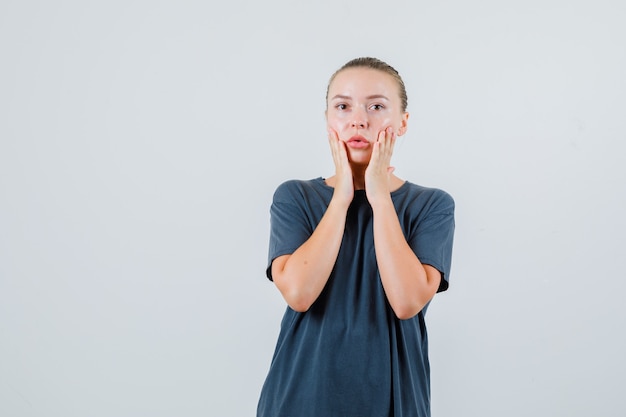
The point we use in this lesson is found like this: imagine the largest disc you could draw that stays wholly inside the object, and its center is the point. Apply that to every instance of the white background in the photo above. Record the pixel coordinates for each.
(141, 142)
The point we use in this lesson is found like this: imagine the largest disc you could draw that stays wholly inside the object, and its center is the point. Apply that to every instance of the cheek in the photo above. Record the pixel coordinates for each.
(387, 121)
(383, 122)
(334, 122)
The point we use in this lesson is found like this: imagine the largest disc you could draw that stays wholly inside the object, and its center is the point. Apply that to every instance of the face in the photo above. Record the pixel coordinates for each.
(362, 102)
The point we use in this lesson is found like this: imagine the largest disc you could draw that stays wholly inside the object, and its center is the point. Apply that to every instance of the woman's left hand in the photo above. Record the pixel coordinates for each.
(379, 172)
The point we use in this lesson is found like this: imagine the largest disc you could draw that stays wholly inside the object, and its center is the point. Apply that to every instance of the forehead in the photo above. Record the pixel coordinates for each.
(363, 81)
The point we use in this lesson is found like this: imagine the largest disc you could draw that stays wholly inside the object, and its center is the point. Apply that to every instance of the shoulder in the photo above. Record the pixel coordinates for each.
(298, 190)
(427, 197)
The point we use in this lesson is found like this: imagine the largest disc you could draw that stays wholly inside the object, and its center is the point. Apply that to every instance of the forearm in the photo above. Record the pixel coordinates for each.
(301, 276)
(408, 284)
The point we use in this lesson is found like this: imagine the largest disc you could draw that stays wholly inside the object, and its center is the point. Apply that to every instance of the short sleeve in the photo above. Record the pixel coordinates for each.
(433, 236)
(290, 223)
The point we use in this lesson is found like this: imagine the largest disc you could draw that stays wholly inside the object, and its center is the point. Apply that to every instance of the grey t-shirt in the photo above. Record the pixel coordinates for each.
(349, 355)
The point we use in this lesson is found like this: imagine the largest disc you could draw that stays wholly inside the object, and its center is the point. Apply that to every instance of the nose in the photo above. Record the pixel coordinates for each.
(359, 120)
(358, 124)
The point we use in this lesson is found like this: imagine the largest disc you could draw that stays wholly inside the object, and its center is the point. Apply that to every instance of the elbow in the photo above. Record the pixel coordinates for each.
(297, 296)
(407, 312)
(405, 309)
(297, 300)
(408, 307)
(299, 306)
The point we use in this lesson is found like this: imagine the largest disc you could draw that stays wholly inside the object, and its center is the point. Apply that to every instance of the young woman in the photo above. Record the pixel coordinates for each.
(357, 257)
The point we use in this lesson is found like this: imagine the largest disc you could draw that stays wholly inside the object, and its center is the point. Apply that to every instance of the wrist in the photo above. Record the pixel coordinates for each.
(339, 202)
(382, 203)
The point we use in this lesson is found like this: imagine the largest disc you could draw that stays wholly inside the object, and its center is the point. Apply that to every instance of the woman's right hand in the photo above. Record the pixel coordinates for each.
(301, 276)
(344, 183)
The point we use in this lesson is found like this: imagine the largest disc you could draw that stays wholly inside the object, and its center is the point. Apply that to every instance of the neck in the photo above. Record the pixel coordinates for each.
(358, 176)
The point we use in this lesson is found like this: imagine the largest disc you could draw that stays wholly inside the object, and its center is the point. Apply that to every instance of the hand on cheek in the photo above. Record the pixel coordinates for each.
(378, 172)
(344, 185)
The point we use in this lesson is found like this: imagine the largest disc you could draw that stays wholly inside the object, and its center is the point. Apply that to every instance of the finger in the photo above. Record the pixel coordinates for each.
(384, 143)
(338, 149)
(375, 152)
(390, 140)
(333, 140)
(383, 140)
(381, 136)
(332, 134)
(384, 136)
(343, 151)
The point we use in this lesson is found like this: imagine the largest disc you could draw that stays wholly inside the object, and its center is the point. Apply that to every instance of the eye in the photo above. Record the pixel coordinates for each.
(341, 106)
(377, 107)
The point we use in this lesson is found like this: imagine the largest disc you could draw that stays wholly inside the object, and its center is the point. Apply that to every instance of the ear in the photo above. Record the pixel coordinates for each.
(404, 124)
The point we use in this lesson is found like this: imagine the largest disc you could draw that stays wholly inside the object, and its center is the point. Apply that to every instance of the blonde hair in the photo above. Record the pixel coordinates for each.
(377, 64)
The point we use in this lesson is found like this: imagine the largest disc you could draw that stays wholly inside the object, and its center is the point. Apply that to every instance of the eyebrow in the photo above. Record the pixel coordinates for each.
(374, 96)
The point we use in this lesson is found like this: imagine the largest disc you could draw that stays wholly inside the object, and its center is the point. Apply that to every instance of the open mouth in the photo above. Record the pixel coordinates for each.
(358, 141)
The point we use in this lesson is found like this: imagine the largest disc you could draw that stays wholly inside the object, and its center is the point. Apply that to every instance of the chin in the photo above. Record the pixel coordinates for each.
(359, 158)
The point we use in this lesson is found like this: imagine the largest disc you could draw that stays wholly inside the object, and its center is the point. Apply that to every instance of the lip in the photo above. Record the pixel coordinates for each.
(357, 142)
